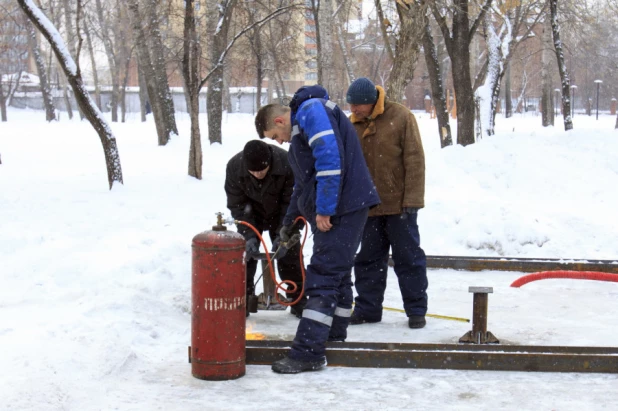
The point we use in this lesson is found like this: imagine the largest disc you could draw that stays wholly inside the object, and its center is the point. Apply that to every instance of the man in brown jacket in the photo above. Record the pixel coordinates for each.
(393, 151)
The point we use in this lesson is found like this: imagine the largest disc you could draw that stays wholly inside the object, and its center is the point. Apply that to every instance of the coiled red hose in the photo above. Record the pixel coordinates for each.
(574, 275)
(279, 285)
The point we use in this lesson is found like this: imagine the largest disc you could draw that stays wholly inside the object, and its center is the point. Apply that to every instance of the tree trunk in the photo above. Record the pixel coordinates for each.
(273, 87)
(123, 89)
(48, 100)
(219, 25)
(227, 101)
(125, 53)
(13, 89)
(437, 87)
(326, 63)
(65, 95)
(347, 62)
(508, 97)
(214, 106)
(412, 22)
(192, 88)
(458, 47)
(465, 108)
(383, 29)
(489, 93)
(146, 66)
(3, 115)
(111, 60)
(462, 81)
(93, 62)
(71, 37)
(143, 93)
(564, 75)
(281, 88)
(195, 148)
(92, 113)
(158, 54)
(258, 52)
(279, 85)
(259, 75)
(547, 107)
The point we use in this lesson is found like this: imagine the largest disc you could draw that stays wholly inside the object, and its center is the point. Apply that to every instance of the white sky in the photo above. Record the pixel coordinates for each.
(95, 296)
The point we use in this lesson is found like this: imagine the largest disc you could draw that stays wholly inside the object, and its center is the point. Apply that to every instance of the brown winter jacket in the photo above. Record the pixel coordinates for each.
(394, 153)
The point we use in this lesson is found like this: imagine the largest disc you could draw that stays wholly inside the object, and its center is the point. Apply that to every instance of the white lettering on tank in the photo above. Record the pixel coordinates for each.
(223, 304)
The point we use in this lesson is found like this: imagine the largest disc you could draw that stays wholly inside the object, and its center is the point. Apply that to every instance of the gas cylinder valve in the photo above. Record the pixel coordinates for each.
(221, 222)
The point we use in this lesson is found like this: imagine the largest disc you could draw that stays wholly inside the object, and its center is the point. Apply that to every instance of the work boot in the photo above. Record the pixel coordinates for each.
(356, 319)
(416, 321)
(291, 366)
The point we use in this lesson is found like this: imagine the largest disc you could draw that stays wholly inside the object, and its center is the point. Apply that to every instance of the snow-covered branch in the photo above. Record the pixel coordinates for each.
(241, 33)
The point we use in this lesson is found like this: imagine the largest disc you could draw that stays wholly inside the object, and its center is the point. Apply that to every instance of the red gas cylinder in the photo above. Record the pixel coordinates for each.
(218, 314)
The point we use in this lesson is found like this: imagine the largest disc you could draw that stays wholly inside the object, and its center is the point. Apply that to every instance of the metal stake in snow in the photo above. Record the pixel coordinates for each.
(479, 333)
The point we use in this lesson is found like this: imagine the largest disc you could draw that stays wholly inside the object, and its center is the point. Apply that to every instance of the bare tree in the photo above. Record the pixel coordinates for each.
(340, 16)
(218, 26)
(73, 73)
(159, 63)
(508, 95)
(562, 69)
(71, 37)
(279, 36)
(249, 13)
(270, 50)
(105, 34)
(437, 87)
(326, 62)
(190, 65)
(457, 40)
(547, 51)
(412, 22)
(384, 24)
(93, 63)
(214, 77)
(158, 90)
(48, 100)
(13, 52)
(506, 26)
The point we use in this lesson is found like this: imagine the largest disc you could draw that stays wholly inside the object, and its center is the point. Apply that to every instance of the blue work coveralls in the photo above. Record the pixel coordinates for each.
(331, 179)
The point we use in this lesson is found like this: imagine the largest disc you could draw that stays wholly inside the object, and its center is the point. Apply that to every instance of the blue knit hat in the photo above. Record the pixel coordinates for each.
(362, 91)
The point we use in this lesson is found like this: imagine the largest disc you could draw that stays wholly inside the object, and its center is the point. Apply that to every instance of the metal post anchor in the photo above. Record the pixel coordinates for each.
(267, 299)
(479, 333)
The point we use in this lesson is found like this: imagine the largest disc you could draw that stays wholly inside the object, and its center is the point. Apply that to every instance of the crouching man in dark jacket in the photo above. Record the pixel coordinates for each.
(333, 190)
(258, 184)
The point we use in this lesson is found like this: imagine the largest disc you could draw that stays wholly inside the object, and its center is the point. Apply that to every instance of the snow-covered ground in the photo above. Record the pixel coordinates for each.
(95, 295)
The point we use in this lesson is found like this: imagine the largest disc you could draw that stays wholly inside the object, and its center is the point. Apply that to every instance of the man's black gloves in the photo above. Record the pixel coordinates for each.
(288, 236)
(410, 210)
(252, 248)
(278, 246)
(288, 231)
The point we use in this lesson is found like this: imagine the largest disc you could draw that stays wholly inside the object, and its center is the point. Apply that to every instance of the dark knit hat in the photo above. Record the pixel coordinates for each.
(362, 91)
(257, 155)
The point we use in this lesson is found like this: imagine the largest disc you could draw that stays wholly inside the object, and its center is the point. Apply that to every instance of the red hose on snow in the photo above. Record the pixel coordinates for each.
(574, 275)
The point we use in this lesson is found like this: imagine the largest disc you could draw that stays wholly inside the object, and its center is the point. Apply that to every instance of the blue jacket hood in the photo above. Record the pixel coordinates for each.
(305, 93)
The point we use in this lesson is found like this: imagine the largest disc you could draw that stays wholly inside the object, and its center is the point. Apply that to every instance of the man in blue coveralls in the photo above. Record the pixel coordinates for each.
(333, 190)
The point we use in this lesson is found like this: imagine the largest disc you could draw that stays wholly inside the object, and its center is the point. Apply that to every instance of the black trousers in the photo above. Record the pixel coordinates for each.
(288, 266)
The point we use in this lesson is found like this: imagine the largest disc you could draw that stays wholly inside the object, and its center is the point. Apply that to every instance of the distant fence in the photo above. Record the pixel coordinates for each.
(242, 100)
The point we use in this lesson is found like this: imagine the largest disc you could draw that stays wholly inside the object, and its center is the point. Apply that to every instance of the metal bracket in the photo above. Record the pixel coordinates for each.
(479, 333)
